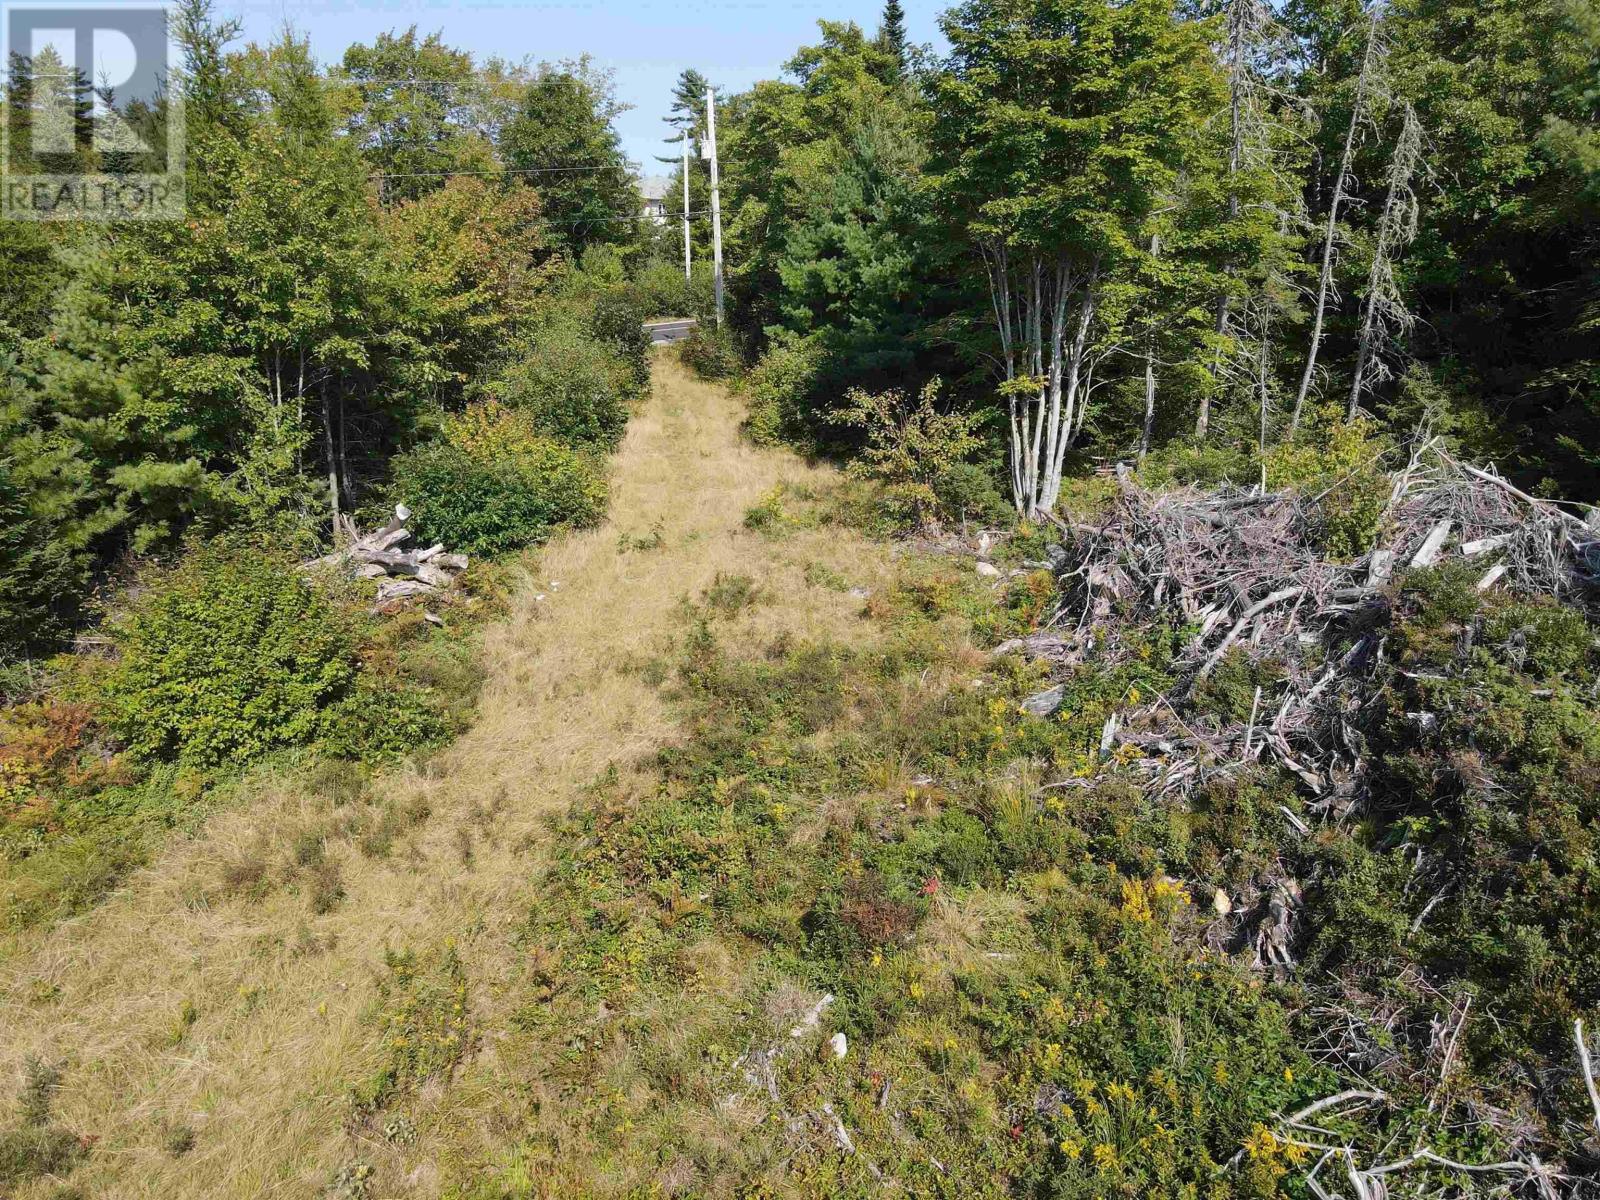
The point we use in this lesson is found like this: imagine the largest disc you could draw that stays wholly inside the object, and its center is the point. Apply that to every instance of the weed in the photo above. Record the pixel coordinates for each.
(729, 595)
(35, 1147)
(821, 575)
(423, 1017)
(188, 1014)
(180, 1140)
(353, 1181)
(325, 885)
(629, 543)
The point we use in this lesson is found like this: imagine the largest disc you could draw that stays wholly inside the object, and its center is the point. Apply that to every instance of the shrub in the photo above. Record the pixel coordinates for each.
(912, 448)
(42, 576)
(777, 389)
(494, 485)
(616, 320)
(226, 656)
(572, 388)
(1340, 463)
(711, 353)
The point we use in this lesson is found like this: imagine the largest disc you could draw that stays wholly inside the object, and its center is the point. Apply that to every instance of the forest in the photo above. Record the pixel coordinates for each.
(1080, 682)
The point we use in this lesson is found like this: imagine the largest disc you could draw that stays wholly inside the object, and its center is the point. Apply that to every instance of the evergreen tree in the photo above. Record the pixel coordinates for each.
(892, 31)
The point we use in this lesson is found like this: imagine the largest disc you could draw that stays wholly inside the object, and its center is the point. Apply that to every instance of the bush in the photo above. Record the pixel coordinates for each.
(616, 320)
(494, 484)
(778, 388)
(573, 388)
(711, 353)
(912, 448)
(226, 656)
(42, 576)
(1341, 464)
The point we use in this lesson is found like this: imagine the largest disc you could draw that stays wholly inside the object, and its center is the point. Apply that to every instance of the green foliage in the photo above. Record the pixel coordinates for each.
(496, 483)
(422, 1013)
(1340, 466)
(226, 656)
(913, 449)
(780, 391)
(572, 387)
(34, 1146)
(711, 353)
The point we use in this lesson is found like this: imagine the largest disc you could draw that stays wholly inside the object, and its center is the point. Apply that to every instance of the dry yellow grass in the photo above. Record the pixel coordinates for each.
(283, 997)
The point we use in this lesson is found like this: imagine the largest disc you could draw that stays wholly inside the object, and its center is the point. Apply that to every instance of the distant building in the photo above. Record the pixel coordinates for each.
(653, 192)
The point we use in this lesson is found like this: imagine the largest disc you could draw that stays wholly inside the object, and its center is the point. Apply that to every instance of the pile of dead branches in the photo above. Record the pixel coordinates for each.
(402, 574)
(1243, 569)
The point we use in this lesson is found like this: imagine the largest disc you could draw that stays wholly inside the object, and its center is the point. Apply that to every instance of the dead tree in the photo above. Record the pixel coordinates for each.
(1367, 81)
(1385, 315)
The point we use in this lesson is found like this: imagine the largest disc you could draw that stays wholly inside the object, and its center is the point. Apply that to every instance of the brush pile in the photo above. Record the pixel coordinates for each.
(402, 574)
(1242, 567)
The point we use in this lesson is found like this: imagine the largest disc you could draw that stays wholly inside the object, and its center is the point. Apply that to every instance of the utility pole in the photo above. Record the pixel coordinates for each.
(686, 257)
(710, 151)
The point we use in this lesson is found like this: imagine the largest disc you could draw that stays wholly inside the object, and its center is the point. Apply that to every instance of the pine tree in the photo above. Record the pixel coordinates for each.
(892, 31)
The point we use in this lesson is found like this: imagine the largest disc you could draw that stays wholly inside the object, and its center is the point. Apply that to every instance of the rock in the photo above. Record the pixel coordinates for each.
(860, 593)
(1044, 704)
(839, 1044)
(988, 570)
(1221, 903)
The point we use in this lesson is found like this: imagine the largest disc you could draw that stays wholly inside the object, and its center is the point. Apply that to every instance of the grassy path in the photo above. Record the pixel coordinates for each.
(180, 1004)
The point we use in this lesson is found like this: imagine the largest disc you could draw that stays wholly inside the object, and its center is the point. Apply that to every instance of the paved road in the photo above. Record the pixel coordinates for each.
(664, 332)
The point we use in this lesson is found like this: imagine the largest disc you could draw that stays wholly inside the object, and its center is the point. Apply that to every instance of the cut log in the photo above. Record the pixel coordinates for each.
(1490, 577)
(1428, 553)
(1380, 568)
(451, 562)
(400, 589)
(431, 552)
(1478, 545)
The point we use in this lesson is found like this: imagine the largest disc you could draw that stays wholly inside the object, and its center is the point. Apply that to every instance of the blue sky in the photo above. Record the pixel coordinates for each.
(646, 42)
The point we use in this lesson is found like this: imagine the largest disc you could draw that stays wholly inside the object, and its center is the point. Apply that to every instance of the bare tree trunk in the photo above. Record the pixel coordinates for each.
(1150, 376)
(1384, 308)
(1034, 304)
(1341, 189)
(333, 471)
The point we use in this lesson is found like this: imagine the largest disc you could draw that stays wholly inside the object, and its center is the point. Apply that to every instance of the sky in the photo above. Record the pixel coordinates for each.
(646, 42)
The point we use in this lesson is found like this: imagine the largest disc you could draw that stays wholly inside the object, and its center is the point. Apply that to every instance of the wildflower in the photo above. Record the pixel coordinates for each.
(1072, 1148)
(930, 885)
(1105, 1156)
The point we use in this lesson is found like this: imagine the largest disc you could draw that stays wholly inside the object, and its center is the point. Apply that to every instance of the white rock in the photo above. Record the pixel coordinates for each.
(840, 1045)
(988, 570)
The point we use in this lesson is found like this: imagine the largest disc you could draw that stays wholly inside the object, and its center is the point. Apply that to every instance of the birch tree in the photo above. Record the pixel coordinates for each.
(1059, 124)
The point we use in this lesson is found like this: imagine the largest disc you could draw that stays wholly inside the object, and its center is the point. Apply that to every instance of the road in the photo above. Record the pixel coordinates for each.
(666, 332)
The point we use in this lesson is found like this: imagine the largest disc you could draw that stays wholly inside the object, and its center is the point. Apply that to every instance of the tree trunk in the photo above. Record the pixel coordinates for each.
(1396, 225)
(1330, 233)
(333, 469)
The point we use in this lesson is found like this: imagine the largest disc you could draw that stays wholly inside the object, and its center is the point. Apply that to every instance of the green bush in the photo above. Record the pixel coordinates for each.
(912, 448)
(490, 504)
(778, 388)
(43, 577)
(711, 353)
(1340, 464)
(226, 656)
(616, 320)
(574, 388)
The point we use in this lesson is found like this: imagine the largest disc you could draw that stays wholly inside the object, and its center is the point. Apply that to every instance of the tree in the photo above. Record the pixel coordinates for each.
(562, 141)
(1060, 126)
(892, 32)
(413, 112)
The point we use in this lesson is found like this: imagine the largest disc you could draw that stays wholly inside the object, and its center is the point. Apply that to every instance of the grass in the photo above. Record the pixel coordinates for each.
(223, 918)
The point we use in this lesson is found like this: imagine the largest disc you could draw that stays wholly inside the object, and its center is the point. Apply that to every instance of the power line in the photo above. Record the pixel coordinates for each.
(492, 172)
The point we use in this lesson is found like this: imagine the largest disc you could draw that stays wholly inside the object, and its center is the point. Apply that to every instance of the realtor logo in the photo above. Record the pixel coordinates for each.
(93, 127)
